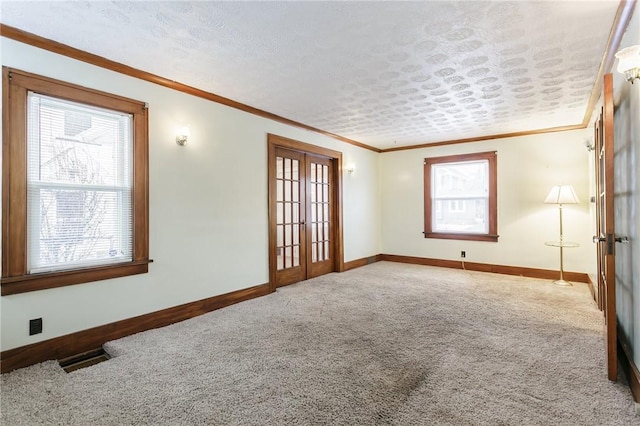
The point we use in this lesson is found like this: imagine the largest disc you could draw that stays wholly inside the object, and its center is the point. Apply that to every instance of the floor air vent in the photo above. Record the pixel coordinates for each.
(83, 360)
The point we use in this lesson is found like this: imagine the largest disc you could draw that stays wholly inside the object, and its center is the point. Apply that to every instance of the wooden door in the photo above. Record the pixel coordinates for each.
(302, 213)
(289, 204)
(605, 237)
(319, 216)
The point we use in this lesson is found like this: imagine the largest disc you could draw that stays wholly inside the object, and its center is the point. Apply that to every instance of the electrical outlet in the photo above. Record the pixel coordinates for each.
(463, 254)
(35, 326)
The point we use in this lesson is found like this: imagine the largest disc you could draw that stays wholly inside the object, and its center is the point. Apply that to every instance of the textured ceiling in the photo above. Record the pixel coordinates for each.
(386, 74)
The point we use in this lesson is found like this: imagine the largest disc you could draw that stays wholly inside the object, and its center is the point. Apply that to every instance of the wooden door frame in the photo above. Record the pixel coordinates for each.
(598, 294)
(611, 319)
(275, 141)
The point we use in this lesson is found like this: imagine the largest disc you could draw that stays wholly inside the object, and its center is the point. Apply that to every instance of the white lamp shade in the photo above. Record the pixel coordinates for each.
(562, 194)
(628, 58)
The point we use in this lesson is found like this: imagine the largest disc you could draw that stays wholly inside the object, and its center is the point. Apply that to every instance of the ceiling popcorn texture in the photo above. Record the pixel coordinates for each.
(387, 74)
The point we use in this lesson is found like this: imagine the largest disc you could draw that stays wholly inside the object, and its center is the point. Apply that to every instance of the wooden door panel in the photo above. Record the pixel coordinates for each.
(606, 227)
(289, 205)
(320, 229)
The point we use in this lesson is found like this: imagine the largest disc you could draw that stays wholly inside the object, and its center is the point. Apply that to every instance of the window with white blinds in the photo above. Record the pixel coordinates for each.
(79, 185)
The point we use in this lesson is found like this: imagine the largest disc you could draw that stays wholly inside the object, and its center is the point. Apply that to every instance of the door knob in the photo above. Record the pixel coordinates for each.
(623, 240)
(597, 239)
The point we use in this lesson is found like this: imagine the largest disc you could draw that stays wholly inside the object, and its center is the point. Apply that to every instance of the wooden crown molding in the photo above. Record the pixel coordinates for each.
(81, 55)
(620, 24)
(486, 138)
(623, 15)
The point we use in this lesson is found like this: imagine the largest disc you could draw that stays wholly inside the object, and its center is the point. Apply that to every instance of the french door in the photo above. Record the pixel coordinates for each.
(605, 226)
(303, 212)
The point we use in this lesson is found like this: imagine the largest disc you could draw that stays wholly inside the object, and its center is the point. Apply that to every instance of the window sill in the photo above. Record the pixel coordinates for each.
(47, 280)
(461, 236)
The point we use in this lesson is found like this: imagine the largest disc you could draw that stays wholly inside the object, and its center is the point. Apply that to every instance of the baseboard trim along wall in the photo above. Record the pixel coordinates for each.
(353, 264)
(629, 367)
(93, 338)
(485, 267)
(592, 287)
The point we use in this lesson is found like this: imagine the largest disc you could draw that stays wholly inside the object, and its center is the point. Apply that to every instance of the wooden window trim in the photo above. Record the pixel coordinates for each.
(15, 279)
(492, 235)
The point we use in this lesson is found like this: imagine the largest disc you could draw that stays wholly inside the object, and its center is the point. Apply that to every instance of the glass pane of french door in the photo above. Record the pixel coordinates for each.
(301, 210)
(288, 187)
(320, 216)
(320, 209)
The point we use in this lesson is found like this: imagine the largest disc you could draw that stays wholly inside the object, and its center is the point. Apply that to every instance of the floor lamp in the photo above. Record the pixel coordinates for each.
(562, 194)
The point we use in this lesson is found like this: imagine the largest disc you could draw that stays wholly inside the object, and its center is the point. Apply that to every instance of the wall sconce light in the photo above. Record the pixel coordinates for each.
(182, 135)
(629, 62)
(351, 168)
(589, 145)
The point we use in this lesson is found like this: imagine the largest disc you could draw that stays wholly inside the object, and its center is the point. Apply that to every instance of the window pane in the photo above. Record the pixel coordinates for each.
(77, 144)
(287, 235)
(279, 167)
(296, 256)
(287, 190)
(296, 191)
(287, 212)
(279, 213)
(468, 216)
(79, 182)
(280, 235)
(280, 258)
(287, 168)
(458, 180)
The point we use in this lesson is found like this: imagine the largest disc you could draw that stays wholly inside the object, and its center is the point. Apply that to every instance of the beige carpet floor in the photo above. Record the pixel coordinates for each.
(384, 344)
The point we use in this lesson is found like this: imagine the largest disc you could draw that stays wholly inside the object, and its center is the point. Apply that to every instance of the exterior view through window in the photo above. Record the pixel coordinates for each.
(78, 185)
(460, 197)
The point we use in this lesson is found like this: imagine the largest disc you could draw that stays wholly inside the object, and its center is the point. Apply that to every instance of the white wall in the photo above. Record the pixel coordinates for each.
(528, 167)
(208, 206)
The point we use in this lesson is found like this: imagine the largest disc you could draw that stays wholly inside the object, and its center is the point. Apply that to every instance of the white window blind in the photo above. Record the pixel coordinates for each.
(79, 181)
(460, 193)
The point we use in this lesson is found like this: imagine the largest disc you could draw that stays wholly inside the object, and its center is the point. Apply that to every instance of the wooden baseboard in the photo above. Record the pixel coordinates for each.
(361, 262)
(484, 267)
(93, 338)
(629, 367)
(592, 288)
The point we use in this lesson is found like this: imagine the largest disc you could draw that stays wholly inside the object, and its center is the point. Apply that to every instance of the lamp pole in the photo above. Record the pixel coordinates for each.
(561, 281)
